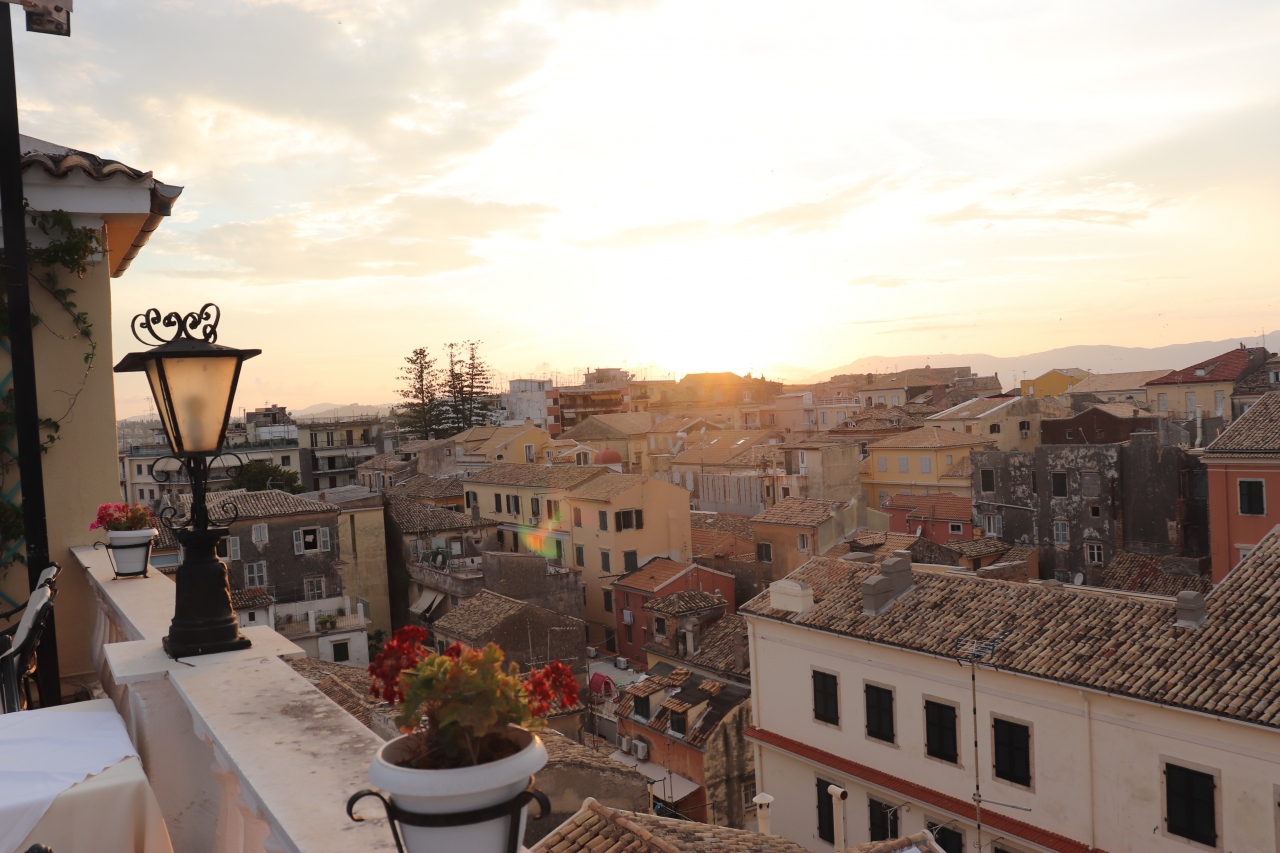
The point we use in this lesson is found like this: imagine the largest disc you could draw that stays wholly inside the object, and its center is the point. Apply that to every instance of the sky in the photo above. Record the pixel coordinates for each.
(675, 187)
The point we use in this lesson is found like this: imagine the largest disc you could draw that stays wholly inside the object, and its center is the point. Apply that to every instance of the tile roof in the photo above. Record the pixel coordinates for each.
(250, 599)
(476, 617)
(1229, 666)
(1021, 553)
(537, 476)
(599, 829)
(616, 425)
(975, 408)
(983, 547)
(881, 545)
(684, 601)
(606, 487)
(930, 437)
(1255, 433)
(424, 486)
(940, 507)
(562, 750)
(718, 648)
(721, 446)
(392, 460)
(341, 495)
(1259, 382)
(723, 522)
(962, 470)
(1227, 367)
(1144, 573)
(165, 539)
(681, 424)
(271, 503)
(653, 575)
(1102, 383)
(413, 517)
(1120, 410)
(799, 512)
(347, 686)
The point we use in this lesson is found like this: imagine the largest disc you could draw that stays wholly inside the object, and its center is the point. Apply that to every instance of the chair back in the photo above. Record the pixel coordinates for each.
(39, 607)
(49, 575)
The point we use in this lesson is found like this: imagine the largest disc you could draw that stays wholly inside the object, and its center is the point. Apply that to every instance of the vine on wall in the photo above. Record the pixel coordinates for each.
(68, 250)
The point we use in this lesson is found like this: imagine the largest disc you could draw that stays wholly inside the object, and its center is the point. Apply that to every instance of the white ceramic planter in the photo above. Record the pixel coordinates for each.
(458, 790)
(130, 561)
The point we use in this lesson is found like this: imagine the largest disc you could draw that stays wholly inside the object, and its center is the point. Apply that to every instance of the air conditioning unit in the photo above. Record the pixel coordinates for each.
(591, 651)
(627, 617)
(640, 749)
(624, 743)
(620, 662)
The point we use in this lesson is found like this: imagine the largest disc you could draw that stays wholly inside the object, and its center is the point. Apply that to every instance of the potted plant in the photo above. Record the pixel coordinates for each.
(460, 776)
(130, 532)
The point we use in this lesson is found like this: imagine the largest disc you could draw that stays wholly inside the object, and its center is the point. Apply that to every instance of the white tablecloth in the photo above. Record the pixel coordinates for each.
(70, 778)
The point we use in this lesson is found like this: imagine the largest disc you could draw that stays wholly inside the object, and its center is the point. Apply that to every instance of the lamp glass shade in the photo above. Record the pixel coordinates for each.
(199, 399)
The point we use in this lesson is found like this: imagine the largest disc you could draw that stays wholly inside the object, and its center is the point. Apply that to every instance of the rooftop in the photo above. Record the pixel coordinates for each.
(718, 647)
(1148, 573)
(722, 446)
(1103, 383)
(474, 618)
(606, 487)
(536, 476)
(653, 575)
(341, 495)
(930, 437)
(271, 503)
(250, 599)
(1227, 367)
(723, 522)
(413, 517)
(798, 512)
(975, 408)
(984, 547)
(1255, 433)
(684, 601)
(616, 425)
(347, 686)
(941, 507)
(1088, 639)
(423, 486)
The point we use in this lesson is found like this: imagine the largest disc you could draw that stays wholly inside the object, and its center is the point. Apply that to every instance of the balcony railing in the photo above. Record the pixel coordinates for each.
(243, 754)
(321, 622)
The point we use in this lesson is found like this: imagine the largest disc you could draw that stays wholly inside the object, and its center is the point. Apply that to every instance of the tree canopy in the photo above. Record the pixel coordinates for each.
(260, 475)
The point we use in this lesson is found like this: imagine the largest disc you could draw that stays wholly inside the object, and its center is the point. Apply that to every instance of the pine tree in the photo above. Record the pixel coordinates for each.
(421, 392)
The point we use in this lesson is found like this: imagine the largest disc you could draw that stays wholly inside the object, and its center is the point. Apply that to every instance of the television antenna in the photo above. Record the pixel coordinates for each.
(973, 649)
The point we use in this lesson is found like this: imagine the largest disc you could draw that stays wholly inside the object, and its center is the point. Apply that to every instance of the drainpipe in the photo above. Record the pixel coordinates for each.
(1088, 728)
(838, 796)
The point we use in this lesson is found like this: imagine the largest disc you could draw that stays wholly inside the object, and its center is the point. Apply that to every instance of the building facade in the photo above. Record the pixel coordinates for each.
(1243, 484)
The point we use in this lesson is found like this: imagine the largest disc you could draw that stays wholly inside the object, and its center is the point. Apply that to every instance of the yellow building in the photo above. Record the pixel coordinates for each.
(926, 461)
(479, 447)
(1054, 383)
(627, 433)
(362, 549)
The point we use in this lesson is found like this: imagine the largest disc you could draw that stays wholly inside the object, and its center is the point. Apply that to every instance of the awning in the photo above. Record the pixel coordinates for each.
(426, 601)
(665, 785)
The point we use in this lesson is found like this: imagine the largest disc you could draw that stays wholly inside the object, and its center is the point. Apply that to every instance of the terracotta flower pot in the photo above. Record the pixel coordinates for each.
(127, 551)
(461, 789)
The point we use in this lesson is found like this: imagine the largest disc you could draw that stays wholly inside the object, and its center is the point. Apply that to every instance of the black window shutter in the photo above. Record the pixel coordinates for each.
(617, 520)
(639, 519)
(826, 813)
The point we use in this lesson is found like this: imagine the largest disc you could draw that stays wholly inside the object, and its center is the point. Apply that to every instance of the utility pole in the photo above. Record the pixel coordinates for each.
(26, 414)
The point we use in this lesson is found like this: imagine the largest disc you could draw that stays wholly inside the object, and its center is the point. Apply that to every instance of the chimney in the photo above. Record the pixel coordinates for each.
(895, 580)
(858, 557)
(1191, 609)
(762, 801)
(791, 595)
(838, 796)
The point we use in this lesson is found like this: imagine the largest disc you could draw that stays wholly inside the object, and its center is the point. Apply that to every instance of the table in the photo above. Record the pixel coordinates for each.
(114, 811)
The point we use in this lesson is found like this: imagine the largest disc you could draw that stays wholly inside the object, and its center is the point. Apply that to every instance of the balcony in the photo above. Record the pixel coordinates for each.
(243, 754)
(319, 622)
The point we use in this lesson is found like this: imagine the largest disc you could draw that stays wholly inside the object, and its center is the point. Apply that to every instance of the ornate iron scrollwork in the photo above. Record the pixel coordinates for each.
(149, 323)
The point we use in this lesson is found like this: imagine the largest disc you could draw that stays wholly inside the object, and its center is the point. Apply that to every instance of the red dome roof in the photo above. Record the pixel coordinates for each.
(608, 456)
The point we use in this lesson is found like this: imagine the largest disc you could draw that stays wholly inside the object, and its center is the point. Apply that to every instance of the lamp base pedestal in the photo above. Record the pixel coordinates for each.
(204, 621)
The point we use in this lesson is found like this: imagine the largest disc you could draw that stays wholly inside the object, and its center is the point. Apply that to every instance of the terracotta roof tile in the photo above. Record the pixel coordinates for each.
(653, 575)
(616, 425)
(542, 476)
(606, 487)
(423, 486)
(940, 507)
(984, 547)
(931, 437)
(1102, 383)
(1227, 367)
(250, 599)
(474, 618)
(718, 447)
(718, 650)
(684, 601)
(271, 503)
(413, 517)
(1255, 433)
(347, 686)
(1145, 573)
(800, 512)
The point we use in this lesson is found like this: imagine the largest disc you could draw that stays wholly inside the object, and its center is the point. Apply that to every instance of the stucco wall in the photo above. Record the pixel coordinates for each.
(363, 546)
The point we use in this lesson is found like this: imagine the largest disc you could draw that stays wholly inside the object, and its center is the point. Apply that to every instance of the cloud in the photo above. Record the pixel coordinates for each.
(1086, 200)
(813, 216)
(1090, 216)
(406, 235)
(886, 281)
(652, 235)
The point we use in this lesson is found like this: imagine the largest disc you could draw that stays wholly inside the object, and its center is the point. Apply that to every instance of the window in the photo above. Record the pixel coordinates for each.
(824, 417)
(251, 616)
(884, 820)
(310, 539)
(1035, 485)
(1095, 511)
(341, 652)
(1013, 751)
(502, 539)
(926, 465)
(1058, 482)
(748, 794)
(659, 626)
(1093, 554)
(627, 630)
(802, 542)
(995, 429)
(764, 552)
(513, 504)
(577, 516)
(553, 510)
(955, 528)
(1190, 409)
(529, 454)
(628, 519)
(1024, 427)
(904, 465)
(1252, 498)
(1189, 802)
(260, 533)
(255, 575)
(826, 812)
(879, 713)
(882, 463)
(469, 498)
(949, 458)
(679, 723)
(1219, 402)
(608, 601)
(328, 439)
(950, 840)
(641, 706)
(826, 698)
(630, 561)
(993, 524)
(315, 439)
(786, 491)
(579, 559)
(497, 502)
(559, 550)
(314, 588)
(604, 561)
(1061, 533)
(139, 469)
(988, 480)
(604, 520)
(286, 461)
(535, 507)
(940, 731)
(1090, 484)
(1162, 402)
(233, 547)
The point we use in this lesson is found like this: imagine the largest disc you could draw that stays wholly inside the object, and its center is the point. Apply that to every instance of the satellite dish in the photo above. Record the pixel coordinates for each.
(1078, 580)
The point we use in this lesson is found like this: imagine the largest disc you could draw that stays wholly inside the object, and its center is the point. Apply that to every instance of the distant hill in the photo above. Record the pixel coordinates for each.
(338, 409)
(1095, 359)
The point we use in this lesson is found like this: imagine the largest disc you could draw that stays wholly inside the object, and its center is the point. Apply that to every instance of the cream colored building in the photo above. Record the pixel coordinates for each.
(1105, 721)
(81, 469)
(1011, 423)
(362, 549)
(924, 461)
(1206, 386)
(1114, 388)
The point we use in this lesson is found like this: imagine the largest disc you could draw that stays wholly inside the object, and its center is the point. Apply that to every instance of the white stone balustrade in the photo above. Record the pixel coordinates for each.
(244, 755)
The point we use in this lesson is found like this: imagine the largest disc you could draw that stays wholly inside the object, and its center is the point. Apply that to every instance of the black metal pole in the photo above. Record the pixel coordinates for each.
(26, 415)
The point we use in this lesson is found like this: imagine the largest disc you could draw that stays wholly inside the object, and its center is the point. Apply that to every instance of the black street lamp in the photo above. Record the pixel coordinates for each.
(193, 380)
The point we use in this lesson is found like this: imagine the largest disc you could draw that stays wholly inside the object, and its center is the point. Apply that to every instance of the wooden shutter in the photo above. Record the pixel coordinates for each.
(617, 520)
(297, 541)
(324, 539)
(639, 519)
(233, 547)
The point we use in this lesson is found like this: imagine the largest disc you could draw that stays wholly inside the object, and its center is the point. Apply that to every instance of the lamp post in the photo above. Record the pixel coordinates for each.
(193, 380)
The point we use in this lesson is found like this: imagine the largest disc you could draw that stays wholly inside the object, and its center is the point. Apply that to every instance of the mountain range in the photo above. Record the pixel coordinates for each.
(1095, 359)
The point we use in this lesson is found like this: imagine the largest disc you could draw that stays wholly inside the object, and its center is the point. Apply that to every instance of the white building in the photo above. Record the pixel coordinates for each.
(1104, 721)
(525, 399)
